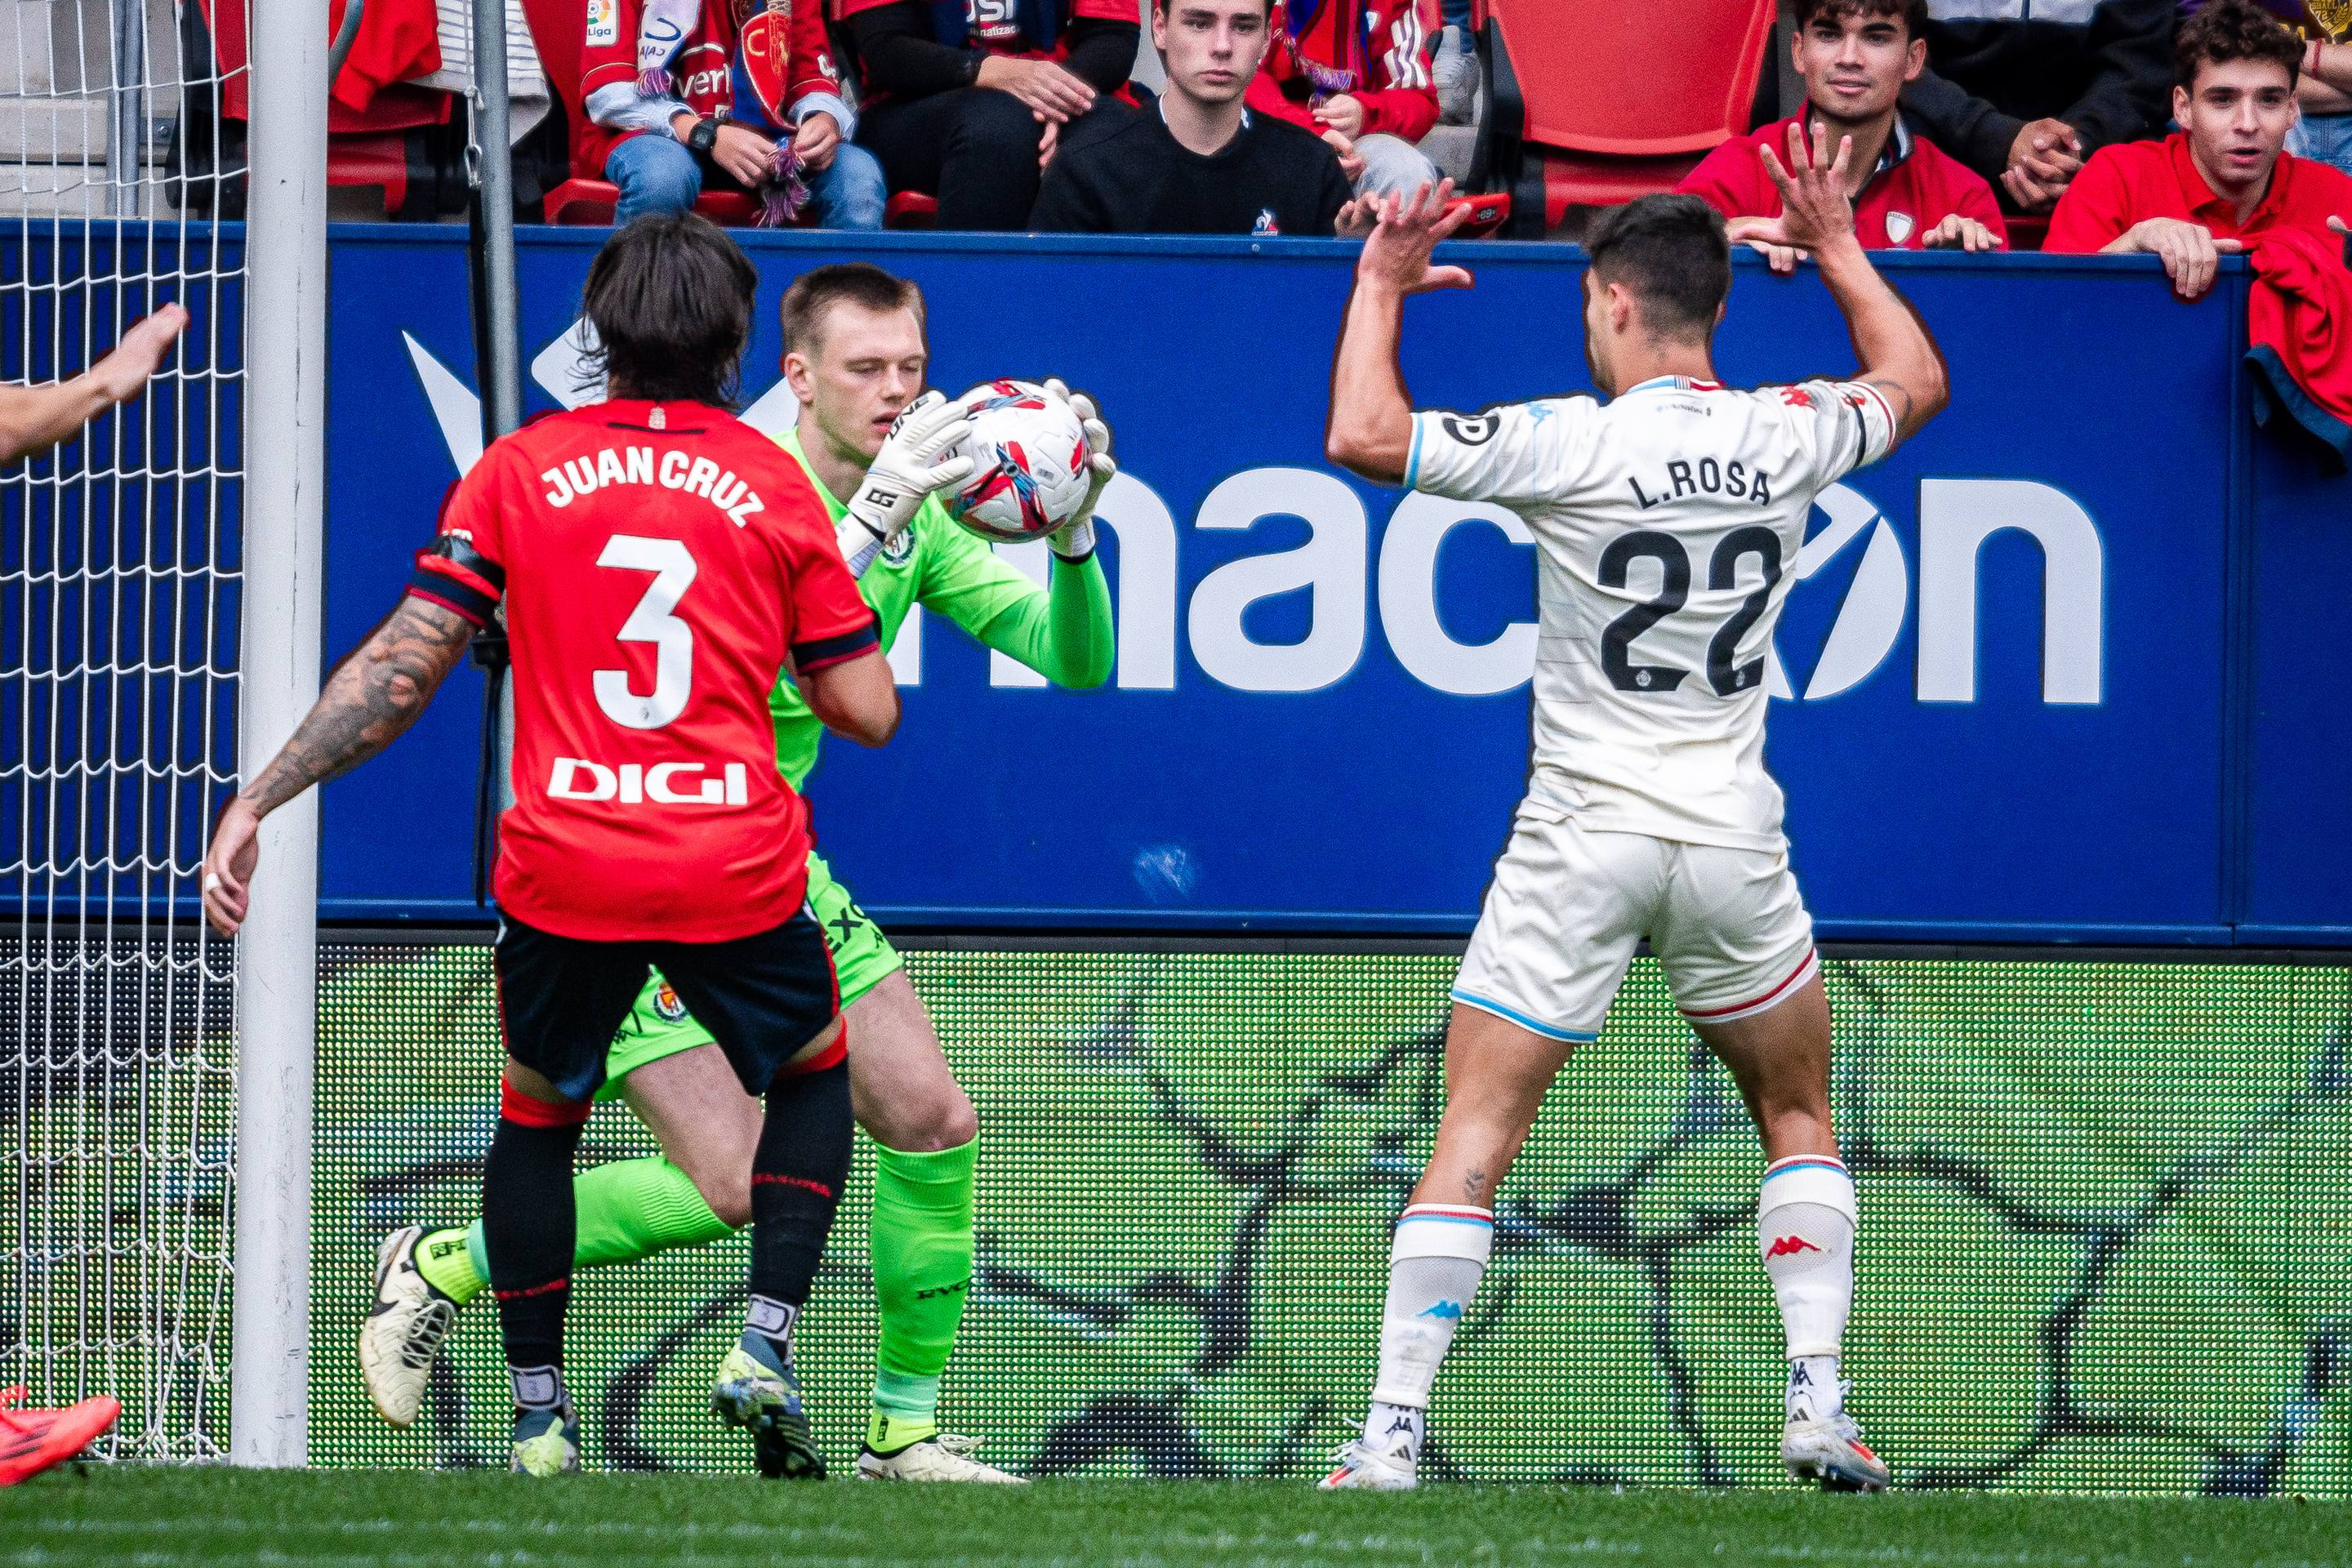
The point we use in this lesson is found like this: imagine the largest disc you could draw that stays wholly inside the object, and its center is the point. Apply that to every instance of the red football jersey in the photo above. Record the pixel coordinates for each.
(658, 563)
(2130, 181)
(1915, 187)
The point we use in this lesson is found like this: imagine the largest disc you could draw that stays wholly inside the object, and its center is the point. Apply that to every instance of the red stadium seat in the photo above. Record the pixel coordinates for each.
(910, 209)
(1597, 102)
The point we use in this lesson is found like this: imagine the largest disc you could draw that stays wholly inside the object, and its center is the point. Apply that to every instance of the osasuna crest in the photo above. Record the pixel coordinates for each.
(1898, 228)
(901, 547)
(667, 1006)
(1470, 429)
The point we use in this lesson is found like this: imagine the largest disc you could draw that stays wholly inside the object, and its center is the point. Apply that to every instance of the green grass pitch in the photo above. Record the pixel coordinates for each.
(361, 1519)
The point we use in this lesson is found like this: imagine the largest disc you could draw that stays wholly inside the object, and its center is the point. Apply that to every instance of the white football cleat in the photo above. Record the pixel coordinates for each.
(401, 1336)
(1830, 1449)
(944, 1456)
(1363, 1468)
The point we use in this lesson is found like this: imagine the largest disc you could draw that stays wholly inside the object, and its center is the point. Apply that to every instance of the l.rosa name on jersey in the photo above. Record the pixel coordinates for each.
(1705, 476)
(672, 470)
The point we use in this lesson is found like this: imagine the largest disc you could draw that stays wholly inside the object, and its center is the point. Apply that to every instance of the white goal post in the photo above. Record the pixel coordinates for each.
(284, 519)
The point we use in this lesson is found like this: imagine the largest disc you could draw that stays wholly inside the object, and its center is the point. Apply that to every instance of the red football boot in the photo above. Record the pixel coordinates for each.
(32, 1440)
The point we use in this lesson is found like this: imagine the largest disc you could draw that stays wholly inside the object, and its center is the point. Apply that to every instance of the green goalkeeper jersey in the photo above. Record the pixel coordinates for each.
(1062, 631)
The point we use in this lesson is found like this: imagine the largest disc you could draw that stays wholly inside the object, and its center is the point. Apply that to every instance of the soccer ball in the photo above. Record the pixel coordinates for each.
(1029, 463)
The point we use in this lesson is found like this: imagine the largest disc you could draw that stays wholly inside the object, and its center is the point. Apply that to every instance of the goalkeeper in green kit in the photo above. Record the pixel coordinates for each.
(855, 356)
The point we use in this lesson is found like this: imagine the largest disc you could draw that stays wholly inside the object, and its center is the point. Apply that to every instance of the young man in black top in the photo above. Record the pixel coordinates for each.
(1200, 163)
(970, 108)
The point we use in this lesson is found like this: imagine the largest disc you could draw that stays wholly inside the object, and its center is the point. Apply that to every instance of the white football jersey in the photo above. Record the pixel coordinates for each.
(1666, 524)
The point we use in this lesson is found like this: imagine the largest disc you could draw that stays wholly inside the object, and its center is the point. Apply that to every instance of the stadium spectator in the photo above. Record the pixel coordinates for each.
(972, 109)
(2322, 92)
(2224, 178)
(1199, 162)
(1908, 193)
(1358, 74)
(35, 418)
(658, 89)
(2023, 90)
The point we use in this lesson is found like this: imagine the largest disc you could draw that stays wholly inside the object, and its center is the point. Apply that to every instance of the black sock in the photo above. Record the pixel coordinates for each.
(796, 1180)
(528, 1230)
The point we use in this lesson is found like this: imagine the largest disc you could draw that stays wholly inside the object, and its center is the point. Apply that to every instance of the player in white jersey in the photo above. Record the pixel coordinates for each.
(1667, 522)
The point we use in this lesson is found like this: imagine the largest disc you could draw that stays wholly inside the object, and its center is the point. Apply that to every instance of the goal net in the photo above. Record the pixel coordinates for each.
(120, 164)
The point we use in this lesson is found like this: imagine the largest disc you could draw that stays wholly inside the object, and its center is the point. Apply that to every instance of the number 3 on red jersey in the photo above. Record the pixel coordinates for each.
(653, 620)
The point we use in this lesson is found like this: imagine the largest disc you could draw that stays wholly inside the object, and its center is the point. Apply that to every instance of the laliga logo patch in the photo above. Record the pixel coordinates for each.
(667, 1006)
(1898, 228)
(603, 22)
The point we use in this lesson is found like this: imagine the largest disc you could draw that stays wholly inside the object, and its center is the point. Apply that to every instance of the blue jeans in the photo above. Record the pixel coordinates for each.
(658, 174)
(2324, 139)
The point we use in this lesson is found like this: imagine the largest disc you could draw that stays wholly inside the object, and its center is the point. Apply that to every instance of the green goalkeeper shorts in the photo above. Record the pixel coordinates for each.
(659, 1024)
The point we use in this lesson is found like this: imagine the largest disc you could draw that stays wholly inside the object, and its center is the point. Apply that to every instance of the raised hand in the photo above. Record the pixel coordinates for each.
(1815, 210)
(123, 373)
(1409, 227)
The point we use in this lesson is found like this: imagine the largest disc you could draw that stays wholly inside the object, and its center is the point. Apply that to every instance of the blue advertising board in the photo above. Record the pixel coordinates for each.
(2014, 699)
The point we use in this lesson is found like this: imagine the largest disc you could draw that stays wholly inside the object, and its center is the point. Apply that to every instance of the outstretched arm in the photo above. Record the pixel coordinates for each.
(1898, 356)
(35, 418)
(370, 697)
(1371, 427)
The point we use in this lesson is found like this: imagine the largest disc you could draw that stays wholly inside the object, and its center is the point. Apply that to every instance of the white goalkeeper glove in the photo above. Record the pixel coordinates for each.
(917, 458)
(1076, 541)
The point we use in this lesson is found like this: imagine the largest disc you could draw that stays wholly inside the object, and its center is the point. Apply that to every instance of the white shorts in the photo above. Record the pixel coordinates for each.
(1568, 906)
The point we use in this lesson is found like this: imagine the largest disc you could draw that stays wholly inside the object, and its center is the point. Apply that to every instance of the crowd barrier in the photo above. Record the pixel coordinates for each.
(2054, 673)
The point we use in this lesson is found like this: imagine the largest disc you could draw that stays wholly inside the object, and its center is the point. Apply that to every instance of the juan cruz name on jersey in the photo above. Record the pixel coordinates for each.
(1705, 476)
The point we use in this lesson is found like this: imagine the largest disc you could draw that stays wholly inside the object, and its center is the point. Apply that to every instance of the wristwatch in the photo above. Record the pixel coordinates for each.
(704, 136)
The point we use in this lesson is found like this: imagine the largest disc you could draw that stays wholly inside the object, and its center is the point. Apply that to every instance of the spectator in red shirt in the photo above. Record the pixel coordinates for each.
(2207, 189)
(1357, 74)
(664, 147)
(972, 109)
(1908, 194)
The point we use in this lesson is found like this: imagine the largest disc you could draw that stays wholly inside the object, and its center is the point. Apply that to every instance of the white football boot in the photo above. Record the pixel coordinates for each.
(1389, 1468)
(401, 1336)
(944, 1456)
(1828, 1448)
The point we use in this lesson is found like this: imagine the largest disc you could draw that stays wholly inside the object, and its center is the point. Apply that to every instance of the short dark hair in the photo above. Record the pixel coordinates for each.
(670, 299)
(2233, 30)
(1168, 8)
(1669, 250)
(1912, 14)
(859, 283)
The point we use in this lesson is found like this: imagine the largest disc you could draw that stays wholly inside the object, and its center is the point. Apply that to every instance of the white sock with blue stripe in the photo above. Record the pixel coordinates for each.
(1805, 1223)
(1434, 1267)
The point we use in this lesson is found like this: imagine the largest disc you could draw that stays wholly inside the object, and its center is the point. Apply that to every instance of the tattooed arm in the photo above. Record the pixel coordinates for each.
(370, 697)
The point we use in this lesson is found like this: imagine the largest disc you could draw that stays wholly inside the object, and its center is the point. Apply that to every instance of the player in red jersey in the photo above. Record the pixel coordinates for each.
(660, 564)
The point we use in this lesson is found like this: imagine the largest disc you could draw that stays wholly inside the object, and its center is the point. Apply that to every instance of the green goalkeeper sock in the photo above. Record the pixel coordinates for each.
(450, 1264)
(920, 1244)
(628, 1209)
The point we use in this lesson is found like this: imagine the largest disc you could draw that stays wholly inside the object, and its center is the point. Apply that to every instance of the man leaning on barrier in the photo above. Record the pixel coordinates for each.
(2225, 178)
